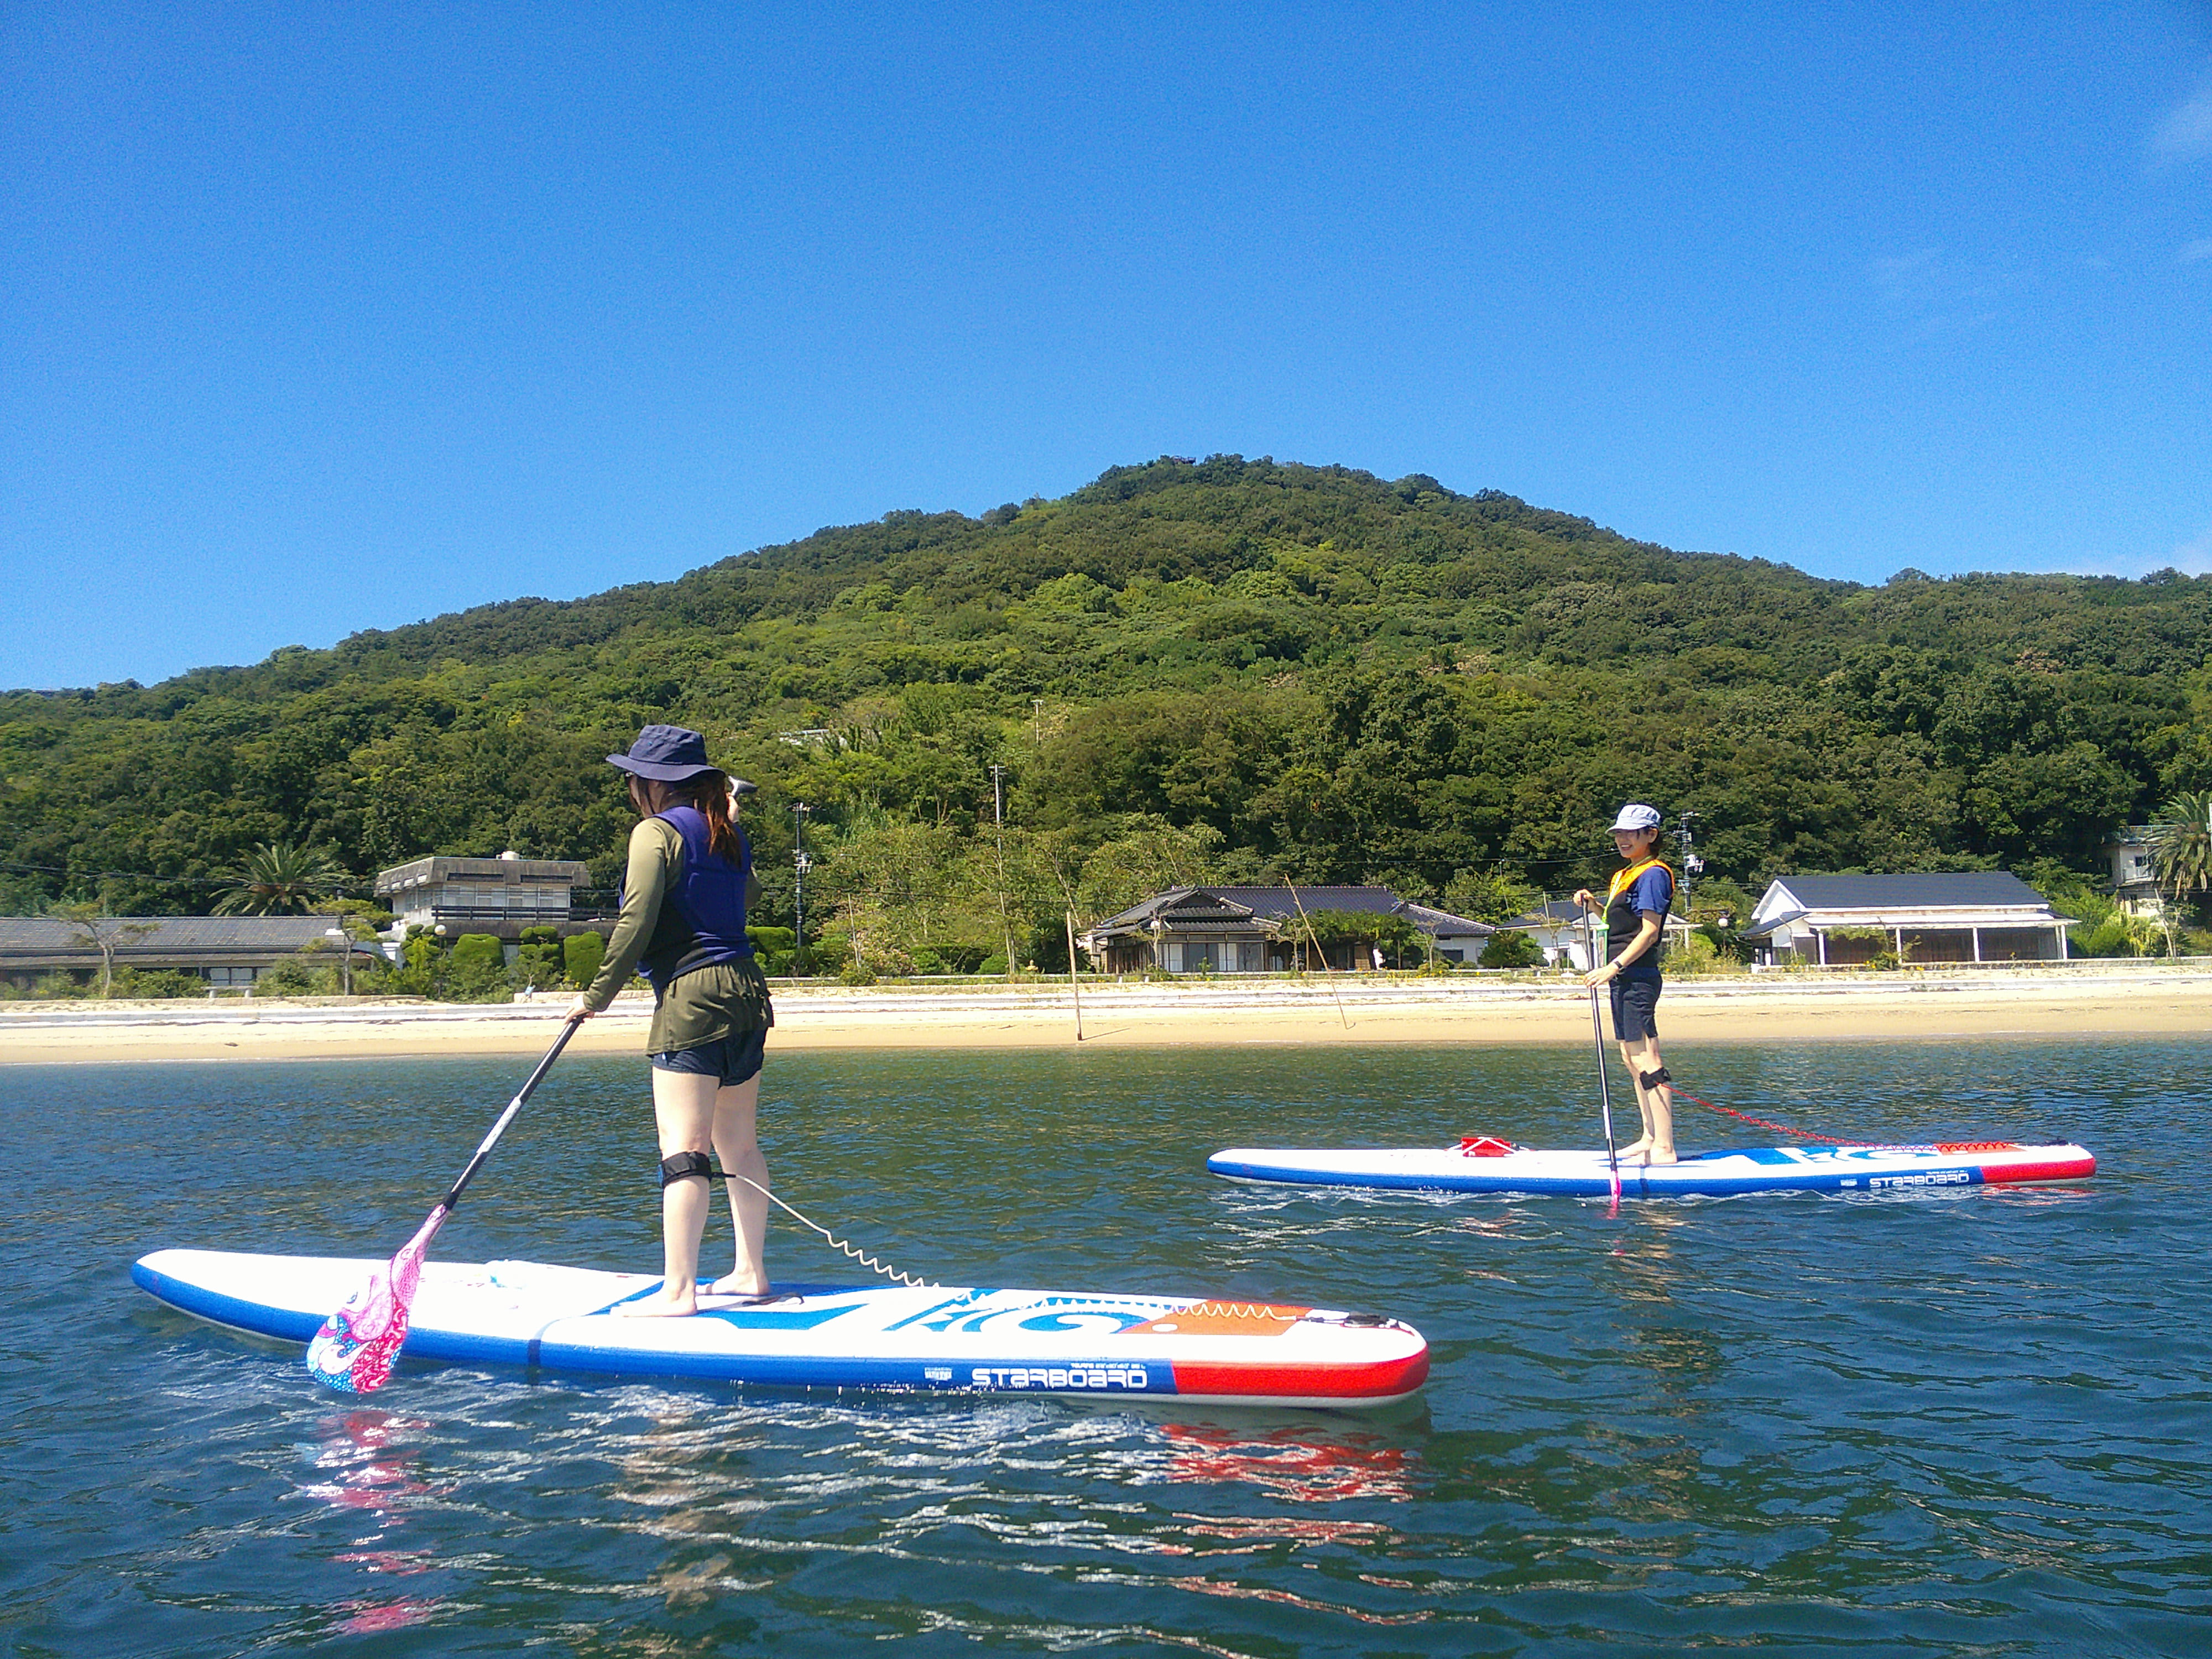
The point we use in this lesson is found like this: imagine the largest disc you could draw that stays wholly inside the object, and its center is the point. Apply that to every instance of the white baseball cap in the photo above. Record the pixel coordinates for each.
(1637, 816)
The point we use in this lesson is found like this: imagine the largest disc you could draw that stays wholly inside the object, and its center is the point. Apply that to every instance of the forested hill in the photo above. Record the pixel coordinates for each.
(1238, 668)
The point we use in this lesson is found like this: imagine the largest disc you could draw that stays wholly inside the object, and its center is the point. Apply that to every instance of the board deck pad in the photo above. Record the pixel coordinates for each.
(1475, 1166)
(943, 1339)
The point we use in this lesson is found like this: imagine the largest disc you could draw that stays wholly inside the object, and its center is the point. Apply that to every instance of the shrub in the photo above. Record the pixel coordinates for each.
(1512, 949)
(293, 978)
(1696, 954)
(539, 962)
(48, 987)
(478, 948)
(158, 982)
(582, 954)
(991, 964)
(770, 940)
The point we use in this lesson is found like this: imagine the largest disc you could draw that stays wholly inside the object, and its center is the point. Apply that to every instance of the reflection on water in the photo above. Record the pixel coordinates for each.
(1289, 1463)
(368, 1466)
(1944, 1422)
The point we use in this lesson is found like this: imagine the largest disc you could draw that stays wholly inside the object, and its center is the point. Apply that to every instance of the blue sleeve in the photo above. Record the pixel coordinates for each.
(1653, 892)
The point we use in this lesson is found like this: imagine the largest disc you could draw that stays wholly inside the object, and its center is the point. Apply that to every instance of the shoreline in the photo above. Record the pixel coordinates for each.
(2140, 1000)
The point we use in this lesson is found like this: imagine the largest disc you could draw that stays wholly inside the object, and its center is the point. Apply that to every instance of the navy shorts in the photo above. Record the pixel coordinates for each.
(734, 1059)
(1635, 1009)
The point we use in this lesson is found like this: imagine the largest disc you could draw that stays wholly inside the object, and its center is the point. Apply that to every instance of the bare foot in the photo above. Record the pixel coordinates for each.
(1661, 1155)
(660, 1305)
(1635, 1148)
(737, 1283)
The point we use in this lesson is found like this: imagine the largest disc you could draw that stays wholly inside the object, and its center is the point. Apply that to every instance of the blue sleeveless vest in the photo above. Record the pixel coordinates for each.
(703, 918)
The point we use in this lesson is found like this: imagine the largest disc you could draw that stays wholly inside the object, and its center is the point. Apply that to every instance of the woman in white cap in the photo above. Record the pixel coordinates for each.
(684, 922)
(1635, 907)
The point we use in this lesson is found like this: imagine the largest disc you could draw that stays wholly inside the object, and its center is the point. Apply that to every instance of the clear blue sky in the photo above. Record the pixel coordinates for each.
(314, 319)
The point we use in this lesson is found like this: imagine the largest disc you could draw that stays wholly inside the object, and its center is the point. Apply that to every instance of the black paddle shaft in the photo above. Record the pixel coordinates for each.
(483, 1152)
(1597, 1035)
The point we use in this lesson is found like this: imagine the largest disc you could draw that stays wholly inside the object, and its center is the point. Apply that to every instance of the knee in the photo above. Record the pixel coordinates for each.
(686, 1166)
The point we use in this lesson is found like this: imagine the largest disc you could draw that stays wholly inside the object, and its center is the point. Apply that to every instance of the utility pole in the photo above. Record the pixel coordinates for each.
(1691, 862)
(800, 865)
(1036, 723)
(999, 817)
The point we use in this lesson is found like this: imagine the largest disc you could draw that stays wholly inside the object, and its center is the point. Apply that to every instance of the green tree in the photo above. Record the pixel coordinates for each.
(476, 970)
(1362, 930)
(1512, 949)
(538, 963)
(278, 879)
(2181, 852)
(96, 930)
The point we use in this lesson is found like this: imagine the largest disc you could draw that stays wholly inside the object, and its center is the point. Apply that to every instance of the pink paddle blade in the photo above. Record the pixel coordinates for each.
(354, 1349)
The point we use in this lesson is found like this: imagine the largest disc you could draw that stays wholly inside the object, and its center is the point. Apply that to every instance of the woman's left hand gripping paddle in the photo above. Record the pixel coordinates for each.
(356, 1346)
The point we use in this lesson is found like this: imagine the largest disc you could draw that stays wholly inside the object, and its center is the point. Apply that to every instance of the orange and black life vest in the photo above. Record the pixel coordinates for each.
(1622, 920)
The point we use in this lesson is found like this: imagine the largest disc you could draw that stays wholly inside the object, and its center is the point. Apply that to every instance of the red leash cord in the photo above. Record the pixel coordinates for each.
(1778, 1128)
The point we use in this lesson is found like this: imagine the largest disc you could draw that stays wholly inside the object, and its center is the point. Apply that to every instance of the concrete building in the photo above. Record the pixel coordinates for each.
(228, 952)
(501, 896)
(1832, 921)
(2135, 872)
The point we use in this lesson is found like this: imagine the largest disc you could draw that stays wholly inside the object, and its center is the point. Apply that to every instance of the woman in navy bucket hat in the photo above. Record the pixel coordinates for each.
(682, 923)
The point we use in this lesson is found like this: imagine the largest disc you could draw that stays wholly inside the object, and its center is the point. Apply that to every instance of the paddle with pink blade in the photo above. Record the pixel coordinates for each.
(355, 1350)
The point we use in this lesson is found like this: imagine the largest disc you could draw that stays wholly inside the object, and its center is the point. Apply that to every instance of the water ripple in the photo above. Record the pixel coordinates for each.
(1958, 1423)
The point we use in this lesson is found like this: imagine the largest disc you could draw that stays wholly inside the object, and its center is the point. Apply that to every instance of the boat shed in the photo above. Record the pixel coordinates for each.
(1836, 921)
(1256, 930)
(227, 951)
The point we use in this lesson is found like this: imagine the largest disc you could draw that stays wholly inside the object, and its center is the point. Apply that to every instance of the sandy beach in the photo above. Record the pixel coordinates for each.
(2104, 998)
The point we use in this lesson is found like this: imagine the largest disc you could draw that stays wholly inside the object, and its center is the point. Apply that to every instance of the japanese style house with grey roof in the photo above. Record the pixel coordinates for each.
(228, 952)
(1836, 921)
(1257, 930)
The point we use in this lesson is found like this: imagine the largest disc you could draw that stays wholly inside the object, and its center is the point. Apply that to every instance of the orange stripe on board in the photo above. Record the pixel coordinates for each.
(1223, 1319)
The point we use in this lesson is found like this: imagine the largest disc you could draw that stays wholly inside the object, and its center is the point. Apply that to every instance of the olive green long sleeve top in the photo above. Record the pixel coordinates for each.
(702, 1006)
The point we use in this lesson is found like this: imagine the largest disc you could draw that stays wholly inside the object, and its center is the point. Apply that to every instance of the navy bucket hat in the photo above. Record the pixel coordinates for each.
(667, 754)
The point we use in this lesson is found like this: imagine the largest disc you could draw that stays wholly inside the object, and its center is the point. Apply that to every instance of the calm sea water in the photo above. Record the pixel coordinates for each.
(1964, 1422)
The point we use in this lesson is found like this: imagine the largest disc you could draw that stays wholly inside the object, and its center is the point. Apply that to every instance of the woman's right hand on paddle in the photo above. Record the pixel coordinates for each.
(581, 1010)
(1587, 899)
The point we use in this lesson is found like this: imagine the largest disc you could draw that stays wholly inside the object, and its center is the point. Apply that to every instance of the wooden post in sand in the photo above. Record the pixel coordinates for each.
(1327, 971)
(1073, 984)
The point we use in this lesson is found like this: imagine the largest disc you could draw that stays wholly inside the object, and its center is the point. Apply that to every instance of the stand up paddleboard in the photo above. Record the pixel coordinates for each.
(936, 1338)
(1485, 1164)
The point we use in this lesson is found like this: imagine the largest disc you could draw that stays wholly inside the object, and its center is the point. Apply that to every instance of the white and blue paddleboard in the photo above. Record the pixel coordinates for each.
(938, 1339)
(1484, 1165)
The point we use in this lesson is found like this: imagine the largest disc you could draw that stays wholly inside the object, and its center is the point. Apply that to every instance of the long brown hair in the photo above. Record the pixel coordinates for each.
(710, 793)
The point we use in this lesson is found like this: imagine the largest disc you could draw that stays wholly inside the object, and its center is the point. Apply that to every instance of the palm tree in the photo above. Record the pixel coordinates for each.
(277, 879)
(2181, 849)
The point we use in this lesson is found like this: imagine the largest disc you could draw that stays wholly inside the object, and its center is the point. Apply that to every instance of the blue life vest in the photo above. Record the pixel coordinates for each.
(703, 920)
